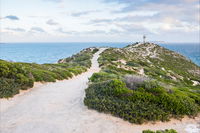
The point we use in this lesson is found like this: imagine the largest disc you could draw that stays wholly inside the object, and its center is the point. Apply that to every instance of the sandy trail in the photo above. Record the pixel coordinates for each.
(58, 108)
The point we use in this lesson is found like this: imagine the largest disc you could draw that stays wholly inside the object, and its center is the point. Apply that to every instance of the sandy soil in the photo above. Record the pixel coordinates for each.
(58, 108)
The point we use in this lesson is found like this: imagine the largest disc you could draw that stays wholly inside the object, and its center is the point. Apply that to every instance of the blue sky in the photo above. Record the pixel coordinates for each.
(99, 20)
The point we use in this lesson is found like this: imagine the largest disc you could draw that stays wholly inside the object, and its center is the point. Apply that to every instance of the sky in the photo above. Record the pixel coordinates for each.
(99, 20)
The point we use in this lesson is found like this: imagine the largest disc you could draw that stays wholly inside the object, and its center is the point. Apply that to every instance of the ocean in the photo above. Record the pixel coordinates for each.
(52, 52)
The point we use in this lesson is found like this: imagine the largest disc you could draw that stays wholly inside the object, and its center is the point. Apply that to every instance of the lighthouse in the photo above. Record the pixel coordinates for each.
(144, 39)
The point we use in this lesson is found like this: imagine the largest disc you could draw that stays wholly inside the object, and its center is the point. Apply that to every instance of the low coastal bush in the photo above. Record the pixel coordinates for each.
(13, 77)
(160, 131)
(8, 87)
(134, 81)
(132, 63)
(137, 106)
(102, 76)
(16, 76)
(123, 93)
(118, 71)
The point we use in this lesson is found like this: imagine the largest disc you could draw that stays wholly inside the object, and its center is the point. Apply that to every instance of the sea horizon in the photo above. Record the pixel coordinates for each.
(51, 52)
(180, 43)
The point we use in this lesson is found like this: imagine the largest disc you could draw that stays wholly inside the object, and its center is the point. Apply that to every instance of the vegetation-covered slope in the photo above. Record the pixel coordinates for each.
(160, 131)
(15, 76)
(145, 82)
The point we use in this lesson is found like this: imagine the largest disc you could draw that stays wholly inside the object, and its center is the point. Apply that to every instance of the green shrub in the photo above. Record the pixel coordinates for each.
(132, 63)
(150, 84)
(8, 87)
(160, 131)
(149, 102)
(102, 76)
(134, 81)
(117, 87)
(142, 99)
(148, 131)
(118, 71)
(95, 50)
(21, 76)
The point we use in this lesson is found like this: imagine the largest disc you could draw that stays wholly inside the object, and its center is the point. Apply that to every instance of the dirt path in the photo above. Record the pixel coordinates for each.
(58, 108)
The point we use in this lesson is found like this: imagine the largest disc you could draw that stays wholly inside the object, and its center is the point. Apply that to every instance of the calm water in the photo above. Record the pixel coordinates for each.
(52, 52)
(190, 50)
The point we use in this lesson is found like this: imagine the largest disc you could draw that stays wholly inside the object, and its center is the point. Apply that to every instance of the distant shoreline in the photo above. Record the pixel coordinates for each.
(51, 52)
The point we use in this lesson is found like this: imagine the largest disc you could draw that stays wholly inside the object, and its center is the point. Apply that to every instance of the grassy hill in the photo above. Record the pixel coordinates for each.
(145, 82)
(15, 76)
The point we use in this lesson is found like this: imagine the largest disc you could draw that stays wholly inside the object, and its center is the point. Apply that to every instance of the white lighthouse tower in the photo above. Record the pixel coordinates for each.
(144, 39)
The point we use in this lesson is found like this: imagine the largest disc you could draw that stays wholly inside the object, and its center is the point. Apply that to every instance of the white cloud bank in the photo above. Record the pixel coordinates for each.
(100, 20)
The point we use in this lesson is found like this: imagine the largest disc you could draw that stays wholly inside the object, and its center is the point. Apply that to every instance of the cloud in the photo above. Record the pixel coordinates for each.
(135, 16)
(124, 25)
(102, 20)
(185, 10)
(166, 15)
(142, 2)
(61, 30)
(88, 32)
(16, 29)
(36, 29)
(134, 29)
(51, 22)
(11, 17)
(39, 17)
(78, 14)
(93, 32)
(56, 1)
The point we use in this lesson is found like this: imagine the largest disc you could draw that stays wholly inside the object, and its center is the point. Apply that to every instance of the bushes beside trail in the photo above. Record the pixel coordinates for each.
(146, 102)
(16, 76)
(141, 88)
(160, 131)
(13, 77)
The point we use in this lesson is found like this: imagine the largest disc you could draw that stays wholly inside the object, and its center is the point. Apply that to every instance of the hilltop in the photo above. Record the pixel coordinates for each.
(154, 61)
(145, 82)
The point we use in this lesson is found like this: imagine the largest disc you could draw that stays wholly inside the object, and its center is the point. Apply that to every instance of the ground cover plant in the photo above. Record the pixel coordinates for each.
(15, 76)
(160, 131)
(150, 88)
